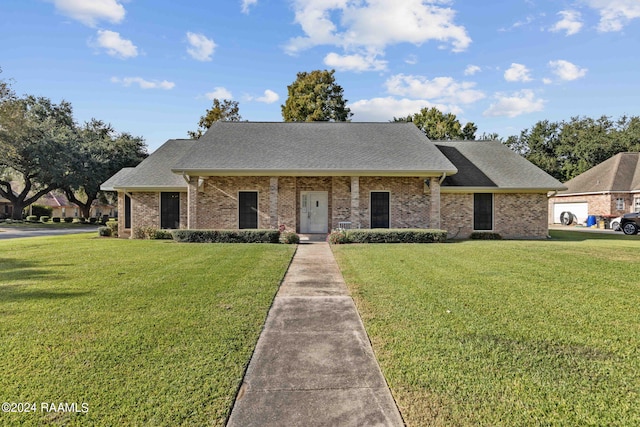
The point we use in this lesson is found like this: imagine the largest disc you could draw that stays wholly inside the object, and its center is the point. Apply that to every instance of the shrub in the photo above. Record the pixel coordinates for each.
(82, 220)
(226, 236)
(289, 237)
(104, 232)
(389, 236)
(32, 218)
(485, 235)
(55, 219)
(93, 220)
(44, 218)
(160, 235)
(68, 219)
(113, 226)
(139, 233)
(41, 210)
(338, 237)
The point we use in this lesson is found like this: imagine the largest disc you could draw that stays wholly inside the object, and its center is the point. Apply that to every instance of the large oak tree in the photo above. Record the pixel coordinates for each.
(315, 97)
(440, 126)
(225, 110)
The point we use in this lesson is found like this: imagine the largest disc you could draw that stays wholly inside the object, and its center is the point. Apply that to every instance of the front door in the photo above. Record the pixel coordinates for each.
(314, 210)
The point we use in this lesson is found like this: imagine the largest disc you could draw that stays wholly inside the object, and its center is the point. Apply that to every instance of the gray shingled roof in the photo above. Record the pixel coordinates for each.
(318, 148)
(492, 165)
(154, 172)
(620, 173)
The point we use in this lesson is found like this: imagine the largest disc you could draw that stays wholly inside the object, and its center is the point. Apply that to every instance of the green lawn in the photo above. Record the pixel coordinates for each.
(505, 333)
(143, 332)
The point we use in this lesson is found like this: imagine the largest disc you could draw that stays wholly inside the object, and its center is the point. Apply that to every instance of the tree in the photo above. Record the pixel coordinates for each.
(315, 97)
(227, 110)
(439, 126)
(99, 153)
(35, 137)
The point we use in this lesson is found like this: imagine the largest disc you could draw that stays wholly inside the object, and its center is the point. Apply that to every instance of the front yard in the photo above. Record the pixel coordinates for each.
(505, 332)
(141, 332)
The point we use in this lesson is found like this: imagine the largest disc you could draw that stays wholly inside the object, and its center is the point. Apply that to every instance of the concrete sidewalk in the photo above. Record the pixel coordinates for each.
(313, 364)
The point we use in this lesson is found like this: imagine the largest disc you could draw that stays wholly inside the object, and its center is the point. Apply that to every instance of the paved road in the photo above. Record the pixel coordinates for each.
(14, 233)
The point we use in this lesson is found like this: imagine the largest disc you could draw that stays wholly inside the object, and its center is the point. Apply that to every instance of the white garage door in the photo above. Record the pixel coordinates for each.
(580, 210)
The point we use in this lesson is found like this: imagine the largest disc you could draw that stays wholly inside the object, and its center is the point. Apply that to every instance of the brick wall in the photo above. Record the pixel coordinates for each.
(145, 209)
(515, 215)
(409, 204)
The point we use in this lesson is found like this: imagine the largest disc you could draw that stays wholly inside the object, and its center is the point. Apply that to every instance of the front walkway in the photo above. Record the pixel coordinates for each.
(313, 364)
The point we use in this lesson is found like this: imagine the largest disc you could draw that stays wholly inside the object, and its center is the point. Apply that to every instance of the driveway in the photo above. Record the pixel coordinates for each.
(14, 233)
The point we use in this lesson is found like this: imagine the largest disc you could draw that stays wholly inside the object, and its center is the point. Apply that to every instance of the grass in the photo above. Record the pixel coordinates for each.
(46, 225)
(505, 333)
(144, 332)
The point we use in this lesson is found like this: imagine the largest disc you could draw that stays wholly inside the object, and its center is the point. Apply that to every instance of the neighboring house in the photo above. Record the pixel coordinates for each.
(609, 189)
(314, 177)
(6, 208)
(62, 207)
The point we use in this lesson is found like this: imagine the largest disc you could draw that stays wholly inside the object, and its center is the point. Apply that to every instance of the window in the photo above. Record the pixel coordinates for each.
(248, 209)
(379, 209)
(170, 210)
(127, 211)
(483, 211)
(636, 204)
(620, 204)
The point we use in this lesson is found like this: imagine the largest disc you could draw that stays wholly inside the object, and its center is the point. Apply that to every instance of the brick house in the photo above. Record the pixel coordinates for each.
(314, 177)
(610, 189)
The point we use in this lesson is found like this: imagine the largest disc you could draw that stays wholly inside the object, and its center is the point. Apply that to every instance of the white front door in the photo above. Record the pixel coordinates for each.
(314, 210)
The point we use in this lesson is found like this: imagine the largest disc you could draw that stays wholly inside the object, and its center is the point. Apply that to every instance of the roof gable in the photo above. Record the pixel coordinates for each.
(620, 173)
(329, 148)
(492, 165)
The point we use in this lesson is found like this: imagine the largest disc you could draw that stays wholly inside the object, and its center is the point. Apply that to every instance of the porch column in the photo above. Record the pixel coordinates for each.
(192, 203)
(355, 202)
(434, 206)
(273, 202)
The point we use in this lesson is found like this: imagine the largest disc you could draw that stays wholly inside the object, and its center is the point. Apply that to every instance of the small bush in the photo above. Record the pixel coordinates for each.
(484, 235)
(226, 236)
(289, 237)
(44, 218)
(68, 219)
(82, 220)
(139, 233)
(93, 220)
(104, 232)
(55, 219)
(113, 226)
(338, 237)
(32, 218)
(160, 235)
(41, 210)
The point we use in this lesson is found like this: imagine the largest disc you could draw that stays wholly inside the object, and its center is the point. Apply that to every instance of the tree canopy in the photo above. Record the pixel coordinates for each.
(439, 126)
(225, 110)
(568, 148)
(315, 97)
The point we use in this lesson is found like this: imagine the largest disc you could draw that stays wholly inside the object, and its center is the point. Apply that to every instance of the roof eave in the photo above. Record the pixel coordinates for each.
(312, 172)
(149, 188)
(470, 189)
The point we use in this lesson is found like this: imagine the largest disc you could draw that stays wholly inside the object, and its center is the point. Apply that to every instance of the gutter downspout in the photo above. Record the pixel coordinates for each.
(186, 177)
(444, 175)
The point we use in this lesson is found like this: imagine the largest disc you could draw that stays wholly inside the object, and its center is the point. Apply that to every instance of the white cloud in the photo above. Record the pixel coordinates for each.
(471, 70)
(517, 73)
(354, 62)
(514, 105)
(90, 12)
(269, 97)
(570, 23)
(440, 89)
(385, 109)
(246, 4)
(615, 14)
(144, 84)
(115, 45)
(374, 25)
(567, 71)
(220, 93)
(411, 59)
(202, 48)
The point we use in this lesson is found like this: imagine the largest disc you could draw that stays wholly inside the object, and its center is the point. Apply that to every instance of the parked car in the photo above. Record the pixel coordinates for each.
(615, 224)
(630, 223)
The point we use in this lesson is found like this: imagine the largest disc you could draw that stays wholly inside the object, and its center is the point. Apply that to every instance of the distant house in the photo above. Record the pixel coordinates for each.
(314, 177)
(6, 208)
(62, 207)
(609, 189)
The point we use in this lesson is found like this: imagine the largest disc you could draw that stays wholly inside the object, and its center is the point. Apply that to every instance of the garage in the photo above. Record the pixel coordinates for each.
(574, 213)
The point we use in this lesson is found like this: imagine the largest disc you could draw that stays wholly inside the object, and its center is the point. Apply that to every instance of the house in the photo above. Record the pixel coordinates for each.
(6, 208)
(62, 207)
(314, 177)
(609, 189)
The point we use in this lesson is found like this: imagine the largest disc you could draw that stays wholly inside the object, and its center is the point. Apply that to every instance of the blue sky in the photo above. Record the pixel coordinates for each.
(151, 68)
